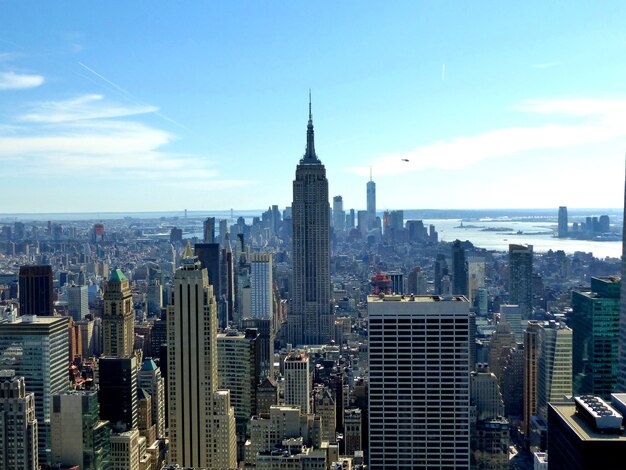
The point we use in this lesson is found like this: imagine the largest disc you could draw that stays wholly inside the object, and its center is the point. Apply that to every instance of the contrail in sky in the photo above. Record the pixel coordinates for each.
(130, 97)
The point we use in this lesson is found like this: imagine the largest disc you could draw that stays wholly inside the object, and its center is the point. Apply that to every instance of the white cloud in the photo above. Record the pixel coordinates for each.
(91, 137)
(81, 108)
(587, 121)
(16, 81)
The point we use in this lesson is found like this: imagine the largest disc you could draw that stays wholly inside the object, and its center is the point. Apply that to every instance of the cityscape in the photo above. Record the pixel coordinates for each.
(391, 306)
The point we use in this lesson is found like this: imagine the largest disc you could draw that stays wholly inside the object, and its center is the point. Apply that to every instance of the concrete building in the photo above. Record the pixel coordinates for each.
(118, 320)
(77, 303)
(261, 286)
(512, 314)
(37, 349)
(585, 435)
(419, 394)
(595, 321)
(339, 215)
(485, 393)
(554, 369)
(18, 424)
(267, 395)
(531, 360)
(238, 370)
(201, 418)
(475, 278)
(150, 380)
(125, 450)
(324, 407)
(78, 435)
(298, 381)
(352, 430)
(311, 319)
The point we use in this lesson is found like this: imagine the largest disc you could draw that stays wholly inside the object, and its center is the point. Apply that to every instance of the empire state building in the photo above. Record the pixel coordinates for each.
(311, 317)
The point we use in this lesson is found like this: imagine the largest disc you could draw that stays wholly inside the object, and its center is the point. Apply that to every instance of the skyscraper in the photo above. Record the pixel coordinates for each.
(150, 380)
(36, 290)
(419, 393)
(118, 321)
(79, 437)
(621, 376)
(298, 382)
(311, 318)
(201, 418)
(554, 370)
(459, 269)
(371, 202)
(261, 285)
(77, 305)
(209, 256)
(339, 215)
(36, 348)
(595, 321)
(531, 357)
(209, 230)
(18, 424)
(117, 392)
(562, 230)
(521, 277)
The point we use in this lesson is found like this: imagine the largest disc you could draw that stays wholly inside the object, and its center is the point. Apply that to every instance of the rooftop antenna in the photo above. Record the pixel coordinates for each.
(370, 172)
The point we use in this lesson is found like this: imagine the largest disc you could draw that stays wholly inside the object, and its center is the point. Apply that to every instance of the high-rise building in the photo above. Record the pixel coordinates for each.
(371, 202)
(36, 290)
(18, 424)
(554, 370)
(77, 303)
(150, 380)
(227, 282)
(339, 215)
(37, 349)
(352, 428)
(118, 321)
(79, 437)
(459, 269)
(475, 278)
(521, 278)
(201, 418)
(298, 381)
(531, 359)
(125, 450)
(209, 230)
(311, 319)
(261, 285)
(562, 228)
(209, 256)
(324, 406)
(595, 321)
(621, 381)
(586, 434)
(441, 270)
(238, 370)
(419, 355)
(118, 392)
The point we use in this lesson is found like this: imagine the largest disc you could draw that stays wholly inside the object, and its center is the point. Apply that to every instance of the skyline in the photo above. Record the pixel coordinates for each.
(204, 108)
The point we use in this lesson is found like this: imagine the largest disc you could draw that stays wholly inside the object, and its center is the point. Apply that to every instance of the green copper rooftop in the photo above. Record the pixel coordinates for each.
(117, 276)
(148, 364)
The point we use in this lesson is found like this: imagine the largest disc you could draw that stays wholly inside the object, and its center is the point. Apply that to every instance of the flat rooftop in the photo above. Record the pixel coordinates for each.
(416, 298)
(584, 431)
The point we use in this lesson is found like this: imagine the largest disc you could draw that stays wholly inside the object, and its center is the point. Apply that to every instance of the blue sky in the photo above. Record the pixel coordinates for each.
(138, 106)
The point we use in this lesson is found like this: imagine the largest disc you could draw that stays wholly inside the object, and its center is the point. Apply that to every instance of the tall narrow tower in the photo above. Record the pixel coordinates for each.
(201, 419)
(118, 321)
(621, 375)
(311, 318)
(371, 202)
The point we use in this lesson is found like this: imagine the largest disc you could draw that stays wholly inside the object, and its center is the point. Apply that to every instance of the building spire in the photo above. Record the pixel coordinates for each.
(309, 154)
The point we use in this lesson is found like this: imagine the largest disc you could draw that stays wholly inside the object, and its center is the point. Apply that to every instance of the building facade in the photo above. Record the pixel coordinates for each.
(311, 319)
(201, 418)
(419, 393)
(118, 321)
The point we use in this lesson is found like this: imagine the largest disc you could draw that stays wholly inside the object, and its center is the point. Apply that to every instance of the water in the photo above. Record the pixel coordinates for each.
(538, 234)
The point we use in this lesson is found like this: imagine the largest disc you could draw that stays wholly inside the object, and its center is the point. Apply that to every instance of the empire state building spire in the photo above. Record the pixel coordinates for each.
(309, 154)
